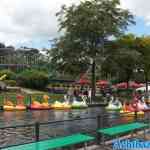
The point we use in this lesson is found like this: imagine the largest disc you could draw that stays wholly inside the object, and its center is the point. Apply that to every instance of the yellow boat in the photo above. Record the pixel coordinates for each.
(8, 108)
(12, 108)
(20, 107)
(61, 106)
(128, 113)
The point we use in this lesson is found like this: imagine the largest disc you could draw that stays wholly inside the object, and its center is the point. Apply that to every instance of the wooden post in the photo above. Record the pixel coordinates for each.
(135, 116)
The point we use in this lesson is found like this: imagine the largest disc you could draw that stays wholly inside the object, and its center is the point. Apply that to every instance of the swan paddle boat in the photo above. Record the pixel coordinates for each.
(129, 110)
(79, 105)
(114, 105)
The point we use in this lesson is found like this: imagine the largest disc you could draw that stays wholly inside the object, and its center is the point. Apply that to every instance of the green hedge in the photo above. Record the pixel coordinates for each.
(33, 79)
(10, 82)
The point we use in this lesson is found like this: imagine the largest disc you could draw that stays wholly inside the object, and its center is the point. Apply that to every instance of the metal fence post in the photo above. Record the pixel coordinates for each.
(135, 116)
(37, 128)
(30, 97)
(99, 125)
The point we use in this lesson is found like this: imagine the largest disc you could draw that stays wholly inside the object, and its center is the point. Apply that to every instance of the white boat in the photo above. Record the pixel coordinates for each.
(78, 105)
(114, 105)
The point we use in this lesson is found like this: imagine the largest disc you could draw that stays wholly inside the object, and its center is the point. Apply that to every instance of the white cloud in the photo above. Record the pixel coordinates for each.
(27, 20)
(140, 8)
(24, 21)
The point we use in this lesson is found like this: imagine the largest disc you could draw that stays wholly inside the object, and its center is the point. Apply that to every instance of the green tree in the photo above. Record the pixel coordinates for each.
(123, 58)
(142, 45)
(86, 27)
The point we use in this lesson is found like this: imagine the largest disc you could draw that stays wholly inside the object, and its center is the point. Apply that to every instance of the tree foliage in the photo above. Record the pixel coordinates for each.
(86, 27)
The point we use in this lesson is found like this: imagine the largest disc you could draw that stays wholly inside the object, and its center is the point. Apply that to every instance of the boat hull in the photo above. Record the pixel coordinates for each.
(14, 108)
(79, 107)
(139, 113)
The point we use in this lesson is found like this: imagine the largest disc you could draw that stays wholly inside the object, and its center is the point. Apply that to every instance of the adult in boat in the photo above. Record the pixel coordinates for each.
(114, 104)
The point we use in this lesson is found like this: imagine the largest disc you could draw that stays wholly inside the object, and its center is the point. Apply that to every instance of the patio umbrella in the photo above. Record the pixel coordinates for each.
(102, 82)
(133, 84)
(83, 81)
(122, 85)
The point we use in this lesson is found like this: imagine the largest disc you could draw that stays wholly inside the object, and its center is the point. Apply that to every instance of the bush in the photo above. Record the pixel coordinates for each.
(10, 74)
(33, 79)
(10, 82)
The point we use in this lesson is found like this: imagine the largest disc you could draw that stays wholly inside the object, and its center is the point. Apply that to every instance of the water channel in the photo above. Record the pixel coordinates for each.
(11, 136)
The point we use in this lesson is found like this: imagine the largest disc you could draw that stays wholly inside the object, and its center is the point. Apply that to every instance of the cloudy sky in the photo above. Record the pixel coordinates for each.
(33, 23)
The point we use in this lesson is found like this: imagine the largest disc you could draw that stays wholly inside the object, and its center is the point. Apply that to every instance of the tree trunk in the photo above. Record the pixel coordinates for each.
(128, 79)
(93, 81)
(127, 84)
(146, 81)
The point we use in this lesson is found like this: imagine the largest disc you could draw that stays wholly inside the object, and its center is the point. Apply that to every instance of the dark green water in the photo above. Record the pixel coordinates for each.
(11, 136)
